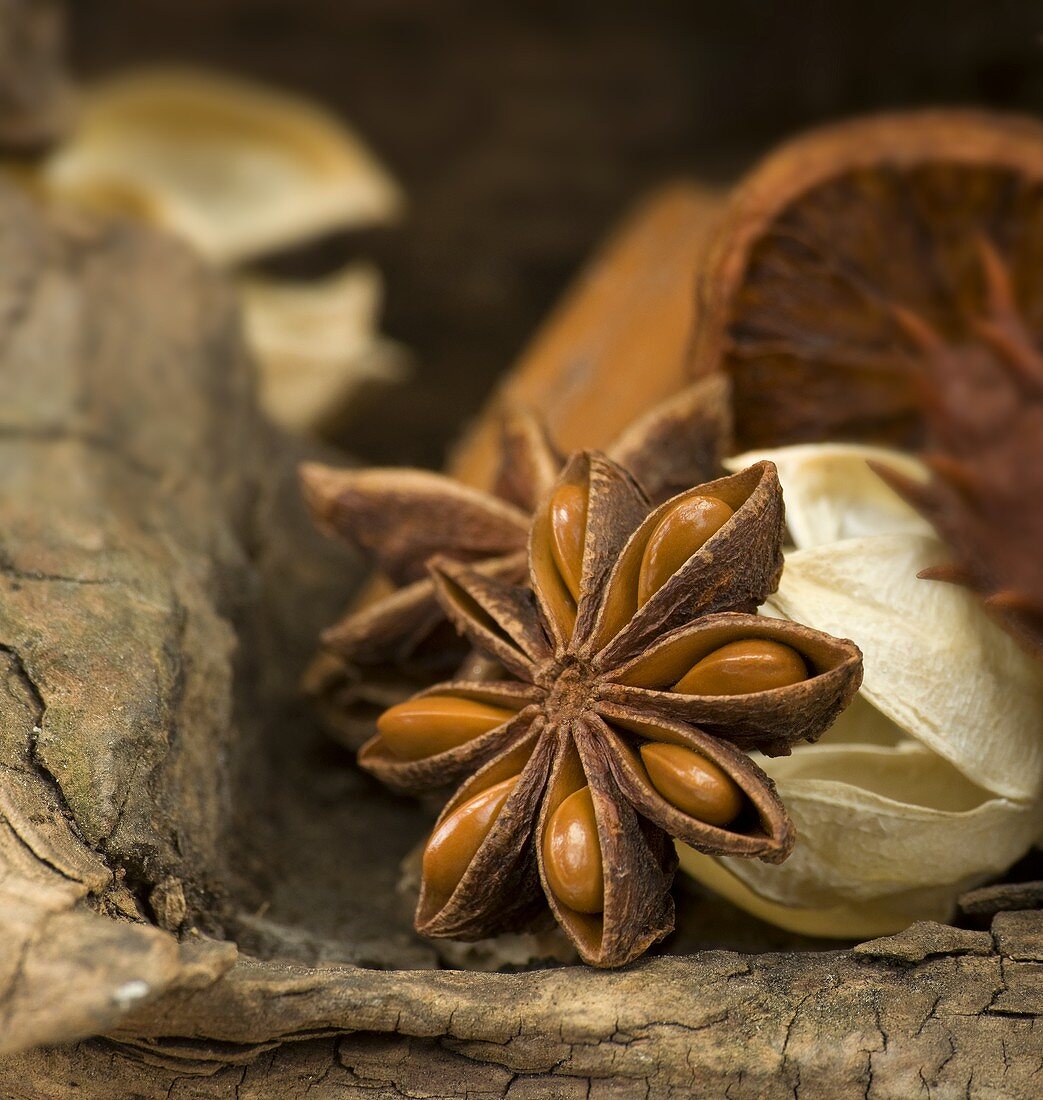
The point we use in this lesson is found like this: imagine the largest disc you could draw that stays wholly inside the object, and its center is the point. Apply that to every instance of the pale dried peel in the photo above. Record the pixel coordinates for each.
(934, 662)
(901, 845)
(317, 343)
(933, 831)
(237, 169)
(831, 493)
(857, 920)
(933, 780)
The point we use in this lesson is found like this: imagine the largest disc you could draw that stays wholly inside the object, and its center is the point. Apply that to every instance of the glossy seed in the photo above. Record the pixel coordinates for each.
(423, 727)
(568, 524)
(741, 668)
(453, 844)
(695, 785)
(685, 528)
(572, 854)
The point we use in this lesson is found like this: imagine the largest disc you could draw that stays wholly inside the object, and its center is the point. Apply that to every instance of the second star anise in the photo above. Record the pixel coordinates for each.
(642, 679)
(397, 638)
(399, 518)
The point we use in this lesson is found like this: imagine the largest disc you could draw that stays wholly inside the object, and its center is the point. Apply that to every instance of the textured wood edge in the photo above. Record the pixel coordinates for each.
(119, 541)
(958, 1021)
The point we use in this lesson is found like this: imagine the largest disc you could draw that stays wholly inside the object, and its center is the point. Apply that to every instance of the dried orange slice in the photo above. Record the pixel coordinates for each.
(836, 240)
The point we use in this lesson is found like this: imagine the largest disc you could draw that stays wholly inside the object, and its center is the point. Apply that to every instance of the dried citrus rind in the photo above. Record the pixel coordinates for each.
(831, 237)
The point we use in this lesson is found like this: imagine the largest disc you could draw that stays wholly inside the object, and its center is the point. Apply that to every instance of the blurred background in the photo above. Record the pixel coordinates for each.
(521, 133)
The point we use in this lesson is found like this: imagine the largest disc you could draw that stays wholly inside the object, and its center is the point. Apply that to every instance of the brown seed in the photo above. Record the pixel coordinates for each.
(423, 727)
(572, 854)
(744, 667)
(681, 532)
(568, 510)
(695, 785)
(453, 844)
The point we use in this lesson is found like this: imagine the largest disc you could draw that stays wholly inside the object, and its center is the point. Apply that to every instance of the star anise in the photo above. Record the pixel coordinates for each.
(641, 679)
(982, 403)
(400, 518)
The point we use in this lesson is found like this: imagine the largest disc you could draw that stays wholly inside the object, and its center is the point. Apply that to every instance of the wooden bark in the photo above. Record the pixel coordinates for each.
(943, 1014)
(197, 897)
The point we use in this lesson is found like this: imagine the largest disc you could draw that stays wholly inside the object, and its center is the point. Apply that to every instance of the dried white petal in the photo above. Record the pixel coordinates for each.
(932, 781)
(886, 835)
(831, 493)
(317, 343)
(935, 665)
(237, 169)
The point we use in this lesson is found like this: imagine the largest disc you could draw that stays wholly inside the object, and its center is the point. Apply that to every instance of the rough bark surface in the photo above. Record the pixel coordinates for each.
(961, 1021)
(158, 599)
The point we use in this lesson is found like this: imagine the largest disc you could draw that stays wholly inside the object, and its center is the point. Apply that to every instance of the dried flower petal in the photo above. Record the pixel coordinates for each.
(933, 779)
(317, 343)
(887, 835)
(237, 169)
(934, 664)
(832, 493)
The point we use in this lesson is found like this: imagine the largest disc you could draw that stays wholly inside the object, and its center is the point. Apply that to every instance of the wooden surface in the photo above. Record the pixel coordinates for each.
(935, 1013)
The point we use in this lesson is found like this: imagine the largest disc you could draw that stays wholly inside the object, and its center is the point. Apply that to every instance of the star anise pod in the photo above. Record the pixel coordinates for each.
(400, 518)
(982, 403)
(641, 679)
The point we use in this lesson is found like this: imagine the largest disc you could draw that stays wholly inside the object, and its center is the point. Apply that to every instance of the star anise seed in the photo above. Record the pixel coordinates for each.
(400, 518)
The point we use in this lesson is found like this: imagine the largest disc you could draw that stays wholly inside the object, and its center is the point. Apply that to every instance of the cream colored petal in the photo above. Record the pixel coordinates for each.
(831, 493)
(236, 168)
(935, 664)
(901, 845)
(317, 343)
(859, 920)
